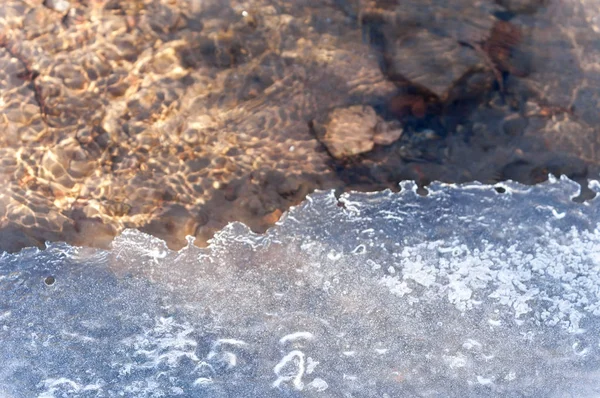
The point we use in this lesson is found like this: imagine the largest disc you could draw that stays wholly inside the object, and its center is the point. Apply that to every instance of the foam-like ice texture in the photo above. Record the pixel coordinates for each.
(466, 292)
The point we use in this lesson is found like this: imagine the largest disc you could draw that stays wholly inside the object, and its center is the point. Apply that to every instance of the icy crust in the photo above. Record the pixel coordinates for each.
(466, 292)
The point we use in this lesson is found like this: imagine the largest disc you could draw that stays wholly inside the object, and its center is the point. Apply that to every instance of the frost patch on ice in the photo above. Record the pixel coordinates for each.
(168, 343)
(510, 276)
(296, 336)
(62, 386)
(318, 385)
(290, 369)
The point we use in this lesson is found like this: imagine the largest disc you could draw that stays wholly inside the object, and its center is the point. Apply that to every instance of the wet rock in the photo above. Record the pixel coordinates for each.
(562, 104)
(460, 20)
(433, 63)
(237, 44)
(37, 22)
(354, 130)
(514, 125)
(13, 239)
(272, 217)
(162, 19)
(92, 230)
(450, 50)
(505, 49)
(58, 5)
(348, 131)
(522, 6)
(176, 222)
(387, 133)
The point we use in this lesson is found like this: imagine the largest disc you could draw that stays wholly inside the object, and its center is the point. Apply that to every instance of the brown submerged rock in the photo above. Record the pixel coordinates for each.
(432, 63)
(58, 5)
(350, 131)
(452, 50)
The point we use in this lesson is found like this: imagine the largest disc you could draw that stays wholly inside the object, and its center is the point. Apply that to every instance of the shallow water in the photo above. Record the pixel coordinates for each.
(177, 117)
(464, 293)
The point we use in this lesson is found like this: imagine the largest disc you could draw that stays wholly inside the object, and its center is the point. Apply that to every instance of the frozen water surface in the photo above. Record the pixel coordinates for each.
(466, 292)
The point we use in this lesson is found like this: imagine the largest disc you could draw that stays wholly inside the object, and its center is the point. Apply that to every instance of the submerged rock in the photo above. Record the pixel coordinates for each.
(432, 63)
(348, 131)
(438, 46)
(354, 130)
(58, 5)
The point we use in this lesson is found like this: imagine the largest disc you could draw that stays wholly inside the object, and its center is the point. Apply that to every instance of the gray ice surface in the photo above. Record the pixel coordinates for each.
(466, 292)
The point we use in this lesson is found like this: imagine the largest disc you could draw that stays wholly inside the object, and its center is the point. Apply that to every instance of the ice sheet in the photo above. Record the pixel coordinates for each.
(466, 292)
